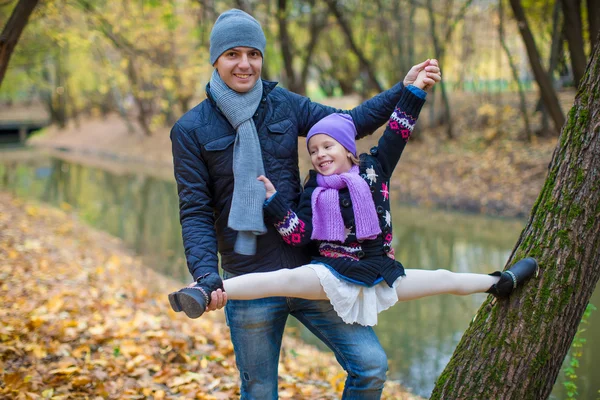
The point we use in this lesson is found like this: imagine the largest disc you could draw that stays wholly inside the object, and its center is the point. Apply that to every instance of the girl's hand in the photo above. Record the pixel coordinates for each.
(268, 186)
(424, 75)
(411, 76)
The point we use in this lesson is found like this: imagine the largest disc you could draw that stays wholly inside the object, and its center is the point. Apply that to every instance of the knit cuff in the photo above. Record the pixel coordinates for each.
(276, 209)
(410, 103)
(200, 271)
(420, 93)
(267, 201)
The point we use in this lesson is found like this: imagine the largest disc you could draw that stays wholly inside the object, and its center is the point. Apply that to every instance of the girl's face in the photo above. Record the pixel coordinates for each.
(328, 156)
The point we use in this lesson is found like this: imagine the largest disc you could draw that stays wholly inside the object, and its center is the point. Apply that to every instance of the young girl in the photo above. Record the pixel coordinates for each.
(345, 210)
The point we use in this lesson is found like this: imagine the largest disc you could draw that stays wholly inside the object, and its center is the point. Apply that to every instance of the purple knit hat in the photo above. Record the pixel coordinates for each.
(340, 127)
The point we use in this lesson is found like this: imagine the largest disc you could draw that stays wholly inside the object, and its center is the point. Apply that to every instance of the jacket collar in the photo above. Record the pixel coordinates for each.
(268, 86)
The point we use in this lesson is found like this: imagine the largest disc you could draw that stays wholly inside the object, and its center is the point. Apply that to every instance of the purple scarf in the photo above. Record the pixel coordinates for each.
(327, 220)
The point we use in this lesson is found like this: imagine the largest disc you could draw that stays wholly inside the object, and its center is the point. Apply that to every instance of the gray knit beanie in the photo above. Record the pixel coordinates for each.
(235, 28)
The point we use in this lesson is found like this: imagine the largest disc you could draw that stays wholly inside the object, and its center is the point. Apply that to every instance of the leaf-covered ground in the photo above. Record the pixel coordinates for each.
(83, 319)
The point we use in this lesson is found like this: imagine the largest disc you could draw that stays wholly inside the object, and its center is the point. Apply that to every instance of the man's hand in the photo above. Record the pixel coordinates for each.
(424, 75)
(218, 299)
(268, 186)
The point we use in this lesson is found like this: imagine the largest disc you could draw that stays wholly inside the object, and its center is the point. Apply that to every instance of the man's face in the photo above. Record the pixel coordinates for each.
(240, 68)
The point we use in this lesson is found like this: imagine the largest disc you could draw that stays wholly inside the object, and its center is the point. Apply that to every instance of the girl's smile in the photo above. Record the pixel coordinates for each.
(328, 156)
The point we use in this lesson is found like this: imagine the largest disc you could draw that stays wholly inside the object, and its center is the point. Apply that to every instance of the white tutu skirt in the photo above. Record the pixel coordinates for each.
(356, 303)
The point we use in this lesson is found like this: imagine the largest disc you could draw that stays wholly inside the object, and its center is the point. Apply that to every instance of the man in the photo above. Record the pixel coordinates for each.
(245, 128)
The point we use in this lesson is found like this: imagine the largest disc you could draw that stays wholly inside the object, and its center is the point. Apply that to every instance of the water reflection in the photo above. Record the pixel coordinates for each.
(419, 336)
(140, 209)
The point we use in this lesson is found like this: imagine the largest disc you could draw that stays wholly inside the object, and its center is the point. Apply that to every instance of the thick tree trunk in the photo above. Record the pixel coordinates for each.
(543, 80)
(12, 32)
(574, 34)
(514, 348)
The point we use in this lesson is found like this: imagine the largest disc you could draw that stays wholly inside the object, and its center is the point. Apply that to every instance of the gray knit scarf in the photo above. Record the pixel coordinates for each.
(246, 214)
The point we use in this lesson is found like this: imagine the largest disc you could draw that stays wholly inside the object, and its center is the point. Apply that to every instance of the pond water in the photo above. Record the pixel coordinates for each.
(419, 336)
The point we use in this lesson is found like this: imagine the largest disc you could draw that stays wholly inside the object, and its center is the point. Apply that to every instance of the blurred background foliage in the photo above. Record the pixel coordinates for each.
(148, 59)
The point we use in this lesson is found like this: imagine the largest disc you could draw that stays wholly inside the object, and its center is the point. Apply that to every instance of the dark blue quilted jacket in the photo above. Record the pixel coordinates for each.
(364, 262)
(202, 142)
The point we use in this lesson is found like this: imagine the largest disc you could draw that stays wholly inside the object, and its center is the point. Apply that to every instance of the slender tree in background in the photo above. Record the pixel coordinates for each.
(290, 52)
(440, 47)
(593, 12)
(543, 80)
(12, 32)
(556, 53)
(514, 348)
(513, 70)
(55, 74)
(574, 35)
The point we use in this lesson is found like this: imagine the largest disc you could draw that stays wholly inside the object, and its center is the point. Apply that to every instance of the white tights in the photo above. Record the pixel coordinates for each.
(304, 283)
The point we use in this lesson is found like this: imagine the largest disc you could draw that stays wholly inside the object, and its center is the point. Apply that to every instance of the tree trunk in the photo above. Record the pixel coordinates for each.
(318, 21)
(542, 79)
(410, 35)
(439, 51)
(514, 348)
(115, 92)
(556, 50)
(515, 73)
(143, 106)
(54, 97)
(574, 35)
(12, 32)
(286, 46)
(297, 82)
(244, 6)
(593, 12)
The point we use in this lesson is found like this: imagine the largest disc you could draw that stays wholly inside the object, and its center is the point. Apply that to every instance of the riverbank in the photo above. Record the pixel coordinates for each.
(486, 169)
(84, 318)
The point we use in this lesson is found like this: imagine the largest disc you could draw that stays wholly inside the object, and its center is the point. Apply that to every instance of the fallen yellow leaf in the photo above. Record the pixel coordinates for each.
(64, 371)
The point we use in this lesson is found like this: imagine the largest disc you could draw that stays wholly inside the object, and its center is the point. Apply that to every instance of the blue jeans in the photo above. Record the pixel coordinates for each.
(257, 330)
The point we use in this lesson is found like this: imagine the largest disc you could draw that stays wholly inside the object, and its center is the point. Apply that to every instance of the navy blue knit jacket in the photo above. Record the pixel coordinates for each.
(364, 262)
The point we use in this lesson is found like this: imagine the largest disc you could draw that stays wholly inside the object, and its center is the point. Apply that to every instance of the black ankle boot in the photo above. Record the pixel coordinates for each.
(194, 298)
(513, 277)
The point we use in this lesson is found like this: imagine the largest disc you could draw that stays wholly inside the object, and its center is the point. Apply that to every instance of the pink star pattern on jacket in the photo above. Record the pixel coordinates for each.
(384, 190)
(402, 123)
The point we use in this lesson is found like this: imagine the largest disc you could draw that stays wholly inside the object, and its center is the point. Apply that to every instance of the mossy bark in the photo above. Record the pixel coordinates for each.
(514, 348)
